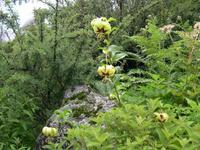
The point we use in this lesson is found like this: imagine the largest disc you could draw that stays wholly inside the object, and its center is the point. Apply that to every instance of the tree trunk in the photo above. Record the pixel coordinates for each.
(121, 8)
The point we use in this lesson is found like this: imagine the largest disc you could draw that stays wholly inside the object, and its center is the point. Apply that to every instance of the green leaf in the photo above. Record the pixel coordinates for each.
(192, 103)
(111, 19)
(118, 57)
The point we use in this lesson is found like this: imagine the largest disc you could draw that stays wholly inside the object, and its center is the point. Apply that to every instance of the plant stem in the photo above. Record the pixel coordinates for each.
(118, 98)
(106, 59)
(171, 37)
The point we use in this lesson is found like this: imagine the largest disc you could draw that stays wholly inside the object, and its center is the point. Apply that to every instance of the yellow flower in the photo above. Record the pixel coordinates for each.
(162, 117)
(106, 71)
(101, 26)
(49, 131)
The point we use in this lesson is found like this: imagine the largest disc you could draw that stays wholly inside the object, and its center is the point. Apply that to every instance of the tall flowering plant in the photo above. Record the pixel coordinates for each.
(102, 29)
(107, 70)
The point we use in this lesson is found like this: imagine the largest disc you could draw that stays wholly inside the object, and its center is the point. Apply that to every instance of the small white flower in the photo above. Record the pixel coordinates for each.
(197, 26)
(167, 28)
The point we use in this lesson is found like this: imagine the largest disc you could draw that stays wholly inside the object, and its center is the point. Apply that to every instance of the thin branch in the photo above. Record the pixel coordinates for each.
(49, 4)
(5, 58)
(15, 27)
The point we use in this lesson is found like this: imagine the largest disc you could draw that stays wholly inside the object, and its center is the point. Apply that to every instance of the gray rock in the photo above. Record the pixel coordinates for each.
(79, 104)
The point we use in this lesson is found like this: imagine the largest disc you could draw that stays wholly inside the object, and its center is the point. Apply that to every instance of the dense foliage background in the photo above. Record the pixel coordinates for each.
(60, 50)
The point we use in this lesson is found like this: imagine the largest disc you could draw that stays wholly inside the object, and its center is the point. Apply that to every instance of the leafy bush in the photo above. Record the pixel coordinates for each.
(18, 106)
(135, 126)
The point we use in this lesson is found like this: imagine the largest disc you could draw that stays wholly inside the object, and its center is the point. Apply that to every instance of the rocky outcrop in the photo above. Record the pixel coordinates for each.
(79, 104)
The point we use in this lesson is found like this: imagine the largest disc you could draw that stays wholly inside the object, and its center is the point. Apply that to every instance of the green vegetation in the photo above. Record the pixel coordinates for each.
(151, 72)
(159, 104)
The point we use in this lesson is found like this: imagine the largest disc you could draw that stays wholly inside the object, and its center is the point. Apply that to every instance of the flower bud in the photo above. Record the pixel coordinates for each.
(45, 130)
(179, 18)
(49, 131)
(112, 96)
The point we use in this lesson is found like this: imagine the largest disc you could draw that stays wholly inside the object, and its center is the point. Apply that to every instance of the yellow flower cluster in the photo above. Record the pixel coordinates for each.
(49, 131)
(167, 28)
(101, 27)
(162, 117)
(106, 71)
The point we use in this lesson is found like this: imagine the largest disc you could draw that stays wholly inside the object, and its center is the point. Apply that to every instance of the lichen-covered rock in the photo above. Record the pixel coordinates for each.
(79, 104)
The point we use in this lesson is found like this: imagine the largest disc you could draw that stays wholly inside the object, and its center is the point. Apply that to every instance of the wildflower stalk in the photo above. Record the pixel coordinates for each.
(106, 59)
(102, 28)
